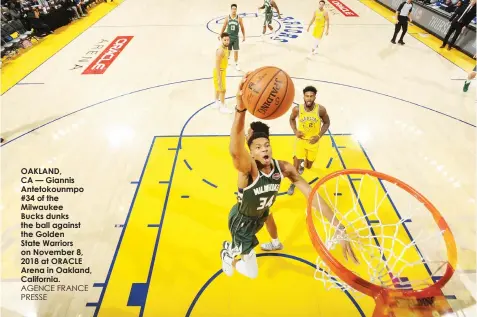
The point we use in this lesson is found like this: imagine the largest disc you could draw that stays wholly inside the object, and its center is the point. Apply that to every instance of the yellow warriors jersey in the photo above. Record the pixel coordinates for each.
(225, 59)
(309, 122)
(319, 23)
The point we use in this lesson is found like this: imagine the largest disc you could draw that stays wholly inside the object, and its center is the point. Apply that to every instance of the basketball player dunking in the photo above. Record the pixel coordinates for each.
(259, 179)
(231, 25)
(220, 73)
(320, 19)
(268, 5)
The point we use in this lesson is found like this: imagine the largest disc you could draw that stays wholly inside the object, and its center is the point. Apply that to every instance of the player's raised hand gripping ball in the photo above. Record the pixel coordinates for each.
(268, 92)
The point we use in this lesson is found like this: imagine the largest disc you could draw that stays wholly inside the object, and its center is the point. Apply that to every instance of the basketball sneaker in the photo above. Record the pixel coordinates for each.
(227, 259)
(270, 246)
(225, 109)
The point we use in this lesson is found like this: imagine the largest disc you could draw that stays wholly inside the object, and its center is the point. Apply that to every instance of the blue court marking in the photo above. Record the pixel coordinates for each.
(450, 296)
(188, 165)
(374, 221)
(118, 226)
(329, 162)
(389, 96)
(227, 135)
(248, 36)
(213, 277)
(137, 295)
(153, 225)
(172, 149)
(163, 182)
(338, 194)
(184, 196)
(99, 284)
(92, 304)
(313, 180)
(363, 210)
(209, 183)
(159, 232)
(209, 78)
(355, 179)
(394, 207)
(134, 182)
(25, 84)
(108, 276)
(174, 83)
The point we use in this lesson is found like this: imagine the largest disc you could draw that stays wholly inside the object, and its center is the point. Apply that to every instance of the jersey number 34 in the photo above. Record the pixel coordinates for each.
(264, 203)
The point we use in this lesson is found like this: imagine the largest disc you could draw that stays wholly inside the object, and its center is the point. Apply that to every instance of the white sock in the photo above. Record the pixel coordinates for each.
(467, 81)
(302, 164)
(276, 241)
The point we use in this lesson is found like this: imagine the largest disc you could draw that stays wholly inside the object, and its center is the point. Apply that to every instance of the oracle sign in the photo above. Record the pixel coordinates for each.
(343, 8)
(107, 57)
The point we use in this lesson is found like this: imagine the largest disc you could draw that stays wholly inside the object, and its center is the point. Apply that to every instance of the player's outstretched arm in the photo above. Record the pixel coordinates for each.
(319, 203)
(241, 158)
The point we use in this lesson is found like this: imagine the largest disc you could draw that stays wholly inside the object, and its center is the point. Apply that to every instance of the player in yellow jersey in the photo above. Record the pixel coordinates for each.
(320, 19)
(313, 122)
(220, 73)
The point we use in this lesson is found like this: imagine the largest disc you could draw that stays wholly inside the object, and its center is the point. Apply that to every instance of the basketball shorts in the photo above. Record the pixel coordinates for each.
(305, 150)
(318, 32)
(216, 81)
(268, 19)
(234, 44)
(244, 229)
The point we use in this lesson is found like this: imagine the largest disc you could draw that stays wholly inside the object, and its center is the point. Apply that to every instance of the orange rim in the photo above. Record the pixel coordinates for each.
(361, 284)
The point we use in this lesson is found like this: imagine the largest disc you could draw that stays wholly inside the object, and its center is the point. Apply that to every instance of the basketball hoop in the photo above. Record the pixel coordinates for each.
(391, 264)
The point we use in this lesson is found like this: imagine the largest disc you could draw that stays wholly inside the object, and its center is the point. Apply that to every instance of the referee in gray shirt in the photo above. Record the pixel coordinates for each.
(403, 15)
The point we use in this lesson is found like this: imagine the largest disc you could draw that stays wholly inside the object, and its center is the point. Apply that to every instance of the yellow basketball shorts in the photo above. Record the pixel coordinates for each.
(318, 32)
(305, 150)
(216, 81)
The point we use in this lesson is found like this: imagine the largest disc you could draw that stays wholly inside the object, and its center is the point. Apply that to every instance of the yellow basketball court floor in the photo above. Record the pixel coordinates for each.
(159, 182)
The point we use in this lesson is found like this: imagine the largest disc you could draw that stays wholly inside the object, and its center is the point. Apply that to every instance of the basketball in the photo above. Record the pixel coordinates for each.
(268, 92)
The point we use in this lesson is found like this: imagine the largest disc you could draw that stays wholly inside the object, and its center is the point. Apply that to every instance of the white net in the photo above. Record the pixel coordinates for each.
(388, 235)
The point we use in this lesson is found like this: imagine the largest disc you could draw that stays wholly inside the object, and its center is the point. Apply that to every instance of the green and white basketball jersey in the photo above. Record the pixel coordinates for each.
(233, 27)
(268, 6)
(257, 198)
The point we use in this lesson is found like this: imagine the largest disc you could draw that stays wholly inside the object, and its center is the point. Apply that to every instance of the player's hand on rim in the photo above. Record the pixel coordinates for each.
(347, 250)
(345, 245)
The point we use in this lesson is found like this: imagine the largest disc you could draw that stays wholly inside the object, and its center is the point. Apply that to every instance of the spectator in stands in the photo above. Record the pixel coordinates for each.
(14, 12)
(41, 28)
(81, 7)
(460, 19)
